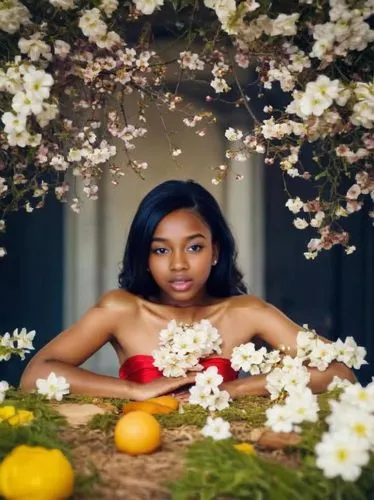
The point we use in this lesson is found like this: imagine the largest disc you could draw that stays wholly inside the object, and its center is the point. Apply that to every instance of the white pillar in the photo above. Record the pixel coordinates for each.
(244, 209)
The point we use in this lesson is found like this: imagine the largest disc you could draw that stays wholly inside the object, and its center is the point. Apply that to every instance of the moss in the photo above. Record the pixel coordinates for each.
(104, 422)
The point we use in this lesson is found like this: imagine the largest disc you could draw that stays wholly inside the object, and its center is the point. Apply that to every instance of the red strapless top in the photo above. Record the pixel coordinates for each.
(139, 368)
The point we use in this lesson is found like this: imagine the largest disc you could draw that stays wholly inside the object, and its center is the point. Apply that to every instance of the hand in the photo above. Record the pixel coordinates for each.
(161, 386)
(183, 396)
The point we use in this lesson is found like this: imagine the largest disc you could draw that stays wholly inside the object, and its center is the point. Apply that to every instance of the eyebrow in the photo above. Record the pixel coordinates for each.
(189, 238)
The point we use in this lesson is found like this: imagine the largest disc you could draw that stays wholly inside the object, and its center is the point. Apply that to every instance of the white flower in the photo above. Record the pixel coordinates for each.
(91, 23)
(219, 401)
(4, 386)
(245, 357)
(340, 455)
(216, 428)
(220, 85)
(295, 205)
(300, 223)
(13, 123)
(20, 139)
(338, 383)
(38, 84)
(6, 341)
(362, 397)
(62, 48)
(233, 135)
(209, 379)
(35, 47)
(322, 354)
(24, 338)
(345, 418)
(63, 4)
(24, 104)
(53, 387)
(49, 112)
(147, 7)
(109, 6)
(303, 405)
(199, 395)
(190, 60)
(295, 379)
(279, 418)
(350, 353)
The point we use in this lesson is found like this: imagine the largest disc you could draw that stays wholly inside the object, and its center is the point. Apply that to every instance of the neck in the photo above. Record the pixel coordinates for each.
(201, 301)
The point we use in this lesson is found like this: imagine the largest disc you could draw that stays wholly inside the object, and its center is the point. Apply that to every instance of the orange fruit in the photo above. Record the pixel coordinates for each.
(137, 433)
(169, 401)
(146, 406)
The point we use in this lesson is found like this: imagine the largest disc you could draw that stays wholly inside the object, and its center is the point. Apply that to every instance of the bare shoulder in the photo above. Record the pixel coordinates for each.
(120, 300)
(247, 303)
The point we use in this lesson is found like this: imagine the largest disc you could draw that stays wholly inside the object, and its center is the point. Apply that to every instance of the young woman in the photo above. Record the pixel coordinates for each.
(179, 263)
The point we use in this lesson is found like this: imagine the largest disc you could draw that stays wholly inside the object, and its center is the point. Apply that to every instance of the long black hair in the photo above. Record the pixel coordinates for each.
(225, 278)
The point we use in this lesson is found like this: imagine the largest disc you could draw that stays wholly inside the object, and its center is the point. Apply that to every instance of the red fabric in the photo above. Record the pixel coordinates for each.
(139, 368)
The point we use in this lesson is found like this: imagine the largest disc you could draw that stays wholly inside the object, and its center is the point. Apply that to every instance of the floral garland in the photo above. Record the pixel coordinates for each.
(352, 416)
(67, 64)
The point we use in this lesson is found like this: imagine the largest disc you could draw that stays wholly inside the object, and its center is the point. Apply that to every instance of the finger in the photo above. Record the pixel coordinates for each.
(197, 368)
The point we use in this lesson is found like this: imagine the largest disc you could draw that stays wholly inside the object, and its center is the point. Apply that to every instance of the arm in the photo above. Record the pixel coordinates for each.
(276, 329)
(71, 348)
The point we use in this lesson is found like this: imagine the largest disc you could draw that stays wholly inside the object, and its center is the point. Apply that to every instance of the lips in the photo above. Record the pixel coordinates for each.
(181, 284)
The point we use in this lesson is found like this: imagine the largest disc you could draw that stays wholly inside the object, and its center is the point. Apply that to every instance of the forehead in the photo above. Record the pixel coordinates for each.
(181, 223)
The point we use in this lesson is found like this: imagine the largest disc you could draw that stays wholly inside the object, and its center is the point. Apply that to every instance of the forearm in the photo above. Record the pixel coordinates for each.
(255, 385)
(81, 381)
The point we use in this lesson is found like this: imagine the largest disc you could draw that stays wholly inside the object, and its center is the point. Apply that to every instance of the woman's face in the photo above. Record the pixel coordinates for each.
(181, 257)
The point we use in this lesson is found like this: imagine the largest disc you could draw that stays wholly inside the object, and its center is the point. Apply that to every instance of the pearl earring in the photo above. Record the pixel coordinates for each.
(214, 262)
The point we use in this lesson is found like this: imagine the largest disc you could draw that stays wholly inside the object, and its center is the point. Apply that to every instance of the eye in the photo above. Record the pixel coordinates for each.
(159, 251)
(196, 247)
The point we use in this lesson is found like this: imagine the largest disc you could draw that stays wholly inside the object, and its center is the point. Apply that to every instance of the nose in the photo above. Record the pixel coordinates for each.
(179, 261)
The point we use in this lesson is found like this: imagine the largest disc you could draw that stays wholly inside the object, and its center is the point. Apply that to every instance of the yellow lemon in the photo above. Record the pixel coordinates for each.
(7, 412)
(22, 417)
(137, 433)
(36, 473)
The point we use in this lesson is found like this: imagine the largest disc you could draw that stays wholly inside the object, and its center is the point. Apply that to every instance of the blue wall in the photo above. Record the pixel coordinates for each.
(31, 279)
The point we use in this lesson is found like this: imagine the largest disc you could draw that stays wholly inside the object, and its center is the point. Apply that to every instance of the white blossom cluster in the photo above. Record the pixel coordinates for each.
(320, 354)
(293, 377)
(13, 14)
(96, 30)
(346, 31)
(245, 357)
(303, 53)
(182, 345)
(219, 83)
(19, 343)
(345, 448)
(4, 386)
(300, 406)
(53, 387)
(190, 60)
(30, 88)
(206, 392)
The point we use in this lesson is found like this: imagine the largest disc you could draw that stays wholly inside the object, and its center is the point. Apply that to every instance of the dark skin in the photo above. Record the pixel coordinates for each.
(181, 256)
